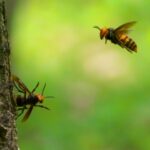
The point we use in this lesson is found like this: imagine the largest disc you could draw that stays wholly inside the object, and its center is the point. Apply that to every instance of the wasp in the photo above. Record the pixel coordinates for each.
(119, 36)
(28, 99)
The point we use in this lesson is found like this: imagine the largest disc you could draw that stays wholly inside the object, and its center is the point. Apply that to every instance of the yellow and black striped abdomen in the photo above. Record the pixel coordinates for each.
(128, 42)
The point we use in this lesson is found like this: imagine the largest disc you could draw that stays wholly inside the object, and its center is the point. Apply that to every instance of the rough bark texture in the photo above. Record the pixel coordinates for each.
(8, 135)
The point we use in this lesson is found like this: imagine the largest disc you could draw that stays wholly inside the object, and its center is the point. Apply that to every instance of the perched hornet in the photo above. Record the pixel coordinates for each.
(119, 36)
(29, 98)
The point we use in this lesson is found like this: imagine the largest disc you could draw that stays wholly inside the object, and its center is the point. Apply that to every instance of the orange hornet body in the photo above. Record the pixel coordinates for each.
(119, 36)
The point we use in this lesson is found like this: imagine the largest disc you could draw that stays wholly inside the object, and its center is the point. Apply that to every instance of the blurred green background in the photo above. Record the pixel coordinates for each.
(102, 92)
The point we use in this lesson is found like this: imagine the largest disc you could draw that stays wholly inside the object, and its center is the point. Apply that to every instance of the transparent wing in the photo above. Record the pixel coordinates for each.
(27, 114)
(124, 28)
(20, 84)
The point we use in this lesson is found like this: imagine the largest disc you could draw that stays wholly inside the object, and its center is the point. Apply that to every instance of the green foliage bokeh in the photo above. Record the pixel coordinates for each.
(102, 92)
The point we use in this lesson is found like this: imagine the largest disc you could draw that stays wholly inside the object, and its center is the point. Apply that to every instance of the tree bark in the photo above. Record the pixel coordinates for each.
(8, 134)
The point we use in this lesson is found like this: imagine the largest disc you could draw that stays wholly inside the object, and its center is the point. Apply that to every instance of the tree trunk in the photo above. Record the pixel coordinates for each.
(8, 134)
